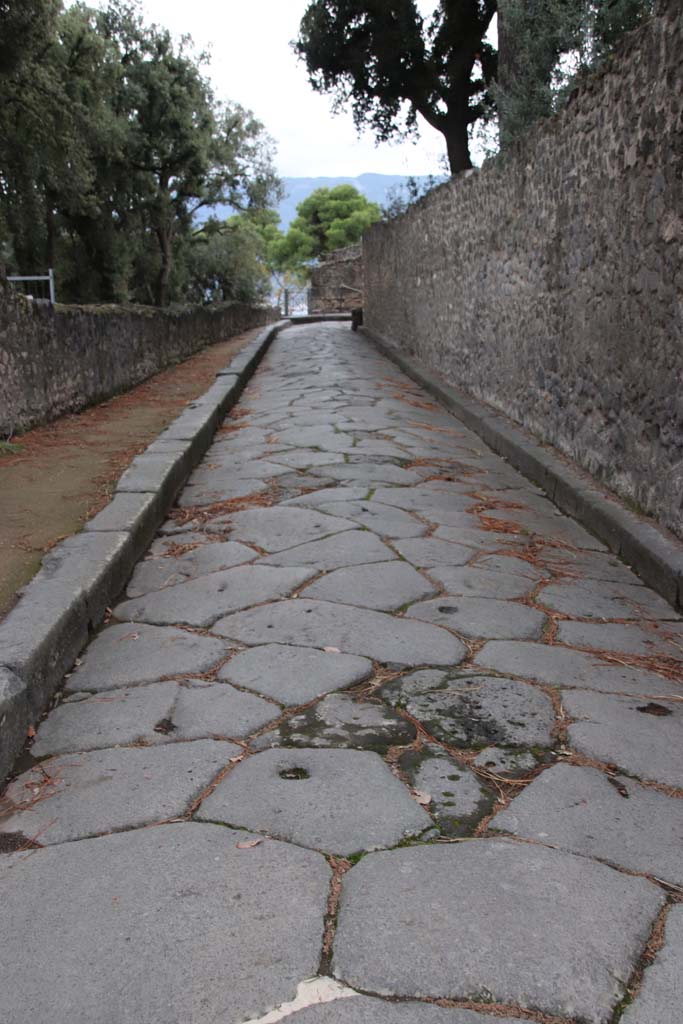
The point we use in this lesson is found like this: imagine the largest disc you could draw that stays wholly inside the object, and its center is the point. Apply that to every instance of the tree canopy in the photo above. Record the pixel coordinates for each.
(390, 65)
(111, 141)
(544, 45)
(329, 218)
(232, 260)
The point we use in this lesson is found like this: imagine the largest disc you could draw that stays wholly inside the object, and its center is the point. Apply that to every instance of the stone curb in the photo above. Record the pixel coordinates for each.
(654, 553)
(79, 578)
(318, 318)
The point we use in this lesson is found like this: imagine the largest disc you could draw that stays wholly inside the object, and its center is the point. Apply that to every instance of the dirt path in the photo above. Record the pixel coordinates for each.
(56, 477)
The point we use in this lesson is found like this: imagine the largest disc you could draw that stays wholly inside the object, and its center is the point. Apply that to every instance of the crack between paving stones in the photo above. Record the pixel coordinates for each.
(339, 866)
(178, 820)
(610, 770)
(289, 712)
(481, 670)
(206, 630)
(456, 753)
(674, 892)
(352, 858)
(647, 957)
(491, 1009)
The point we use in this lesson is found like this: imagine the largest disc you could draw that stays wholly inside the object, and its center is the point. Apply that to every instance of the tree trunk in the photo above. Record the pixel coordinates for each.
(508, 71)
(49, 229)
(165, 247)
(457, 144)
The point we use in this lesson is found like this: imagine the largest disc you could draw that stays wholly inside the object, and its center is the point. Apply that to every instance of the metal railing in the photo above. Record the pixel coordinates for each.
(49, 277)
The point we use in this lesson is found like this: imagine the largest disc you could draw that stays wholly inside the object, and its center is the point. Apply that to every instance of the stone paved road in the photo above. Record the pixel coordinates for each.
(374, 727)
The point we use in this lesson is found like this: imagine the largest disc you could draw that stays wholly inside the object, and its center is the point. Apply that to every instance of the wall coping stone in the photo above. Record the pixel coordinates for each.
(653, 552)
(80, 578)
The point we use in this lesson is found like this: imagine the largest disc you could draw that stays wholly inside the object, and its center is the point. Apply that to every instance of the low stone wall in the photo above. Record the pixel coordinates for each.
(550, 285)
(337, 282)
(55, 361)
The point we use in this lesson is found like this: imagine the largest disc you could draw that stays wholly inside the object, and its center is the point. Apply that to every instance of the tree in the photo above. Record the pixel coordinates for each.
(327, 219)
(186, 150)
(401, 197)
(608, 20)
(111, 140)
(41, 150)
(230, 261)
(390, 66)
(26, 28)
(532, 35)
(544, 45)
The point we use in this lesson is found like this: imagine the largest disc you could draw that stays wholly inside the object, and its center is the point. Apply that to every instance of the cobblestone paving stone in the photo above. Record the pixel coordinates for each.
(294, 675)
(155, 573)
(171, 924)
(477, 617)
(610, 817)
(336, 801)
(495, 920)
(475, 710)
(388, 522)
(341, 721)
(385, 586)
(201, 601)
(455, 796)
(374, 726)
(337, 552)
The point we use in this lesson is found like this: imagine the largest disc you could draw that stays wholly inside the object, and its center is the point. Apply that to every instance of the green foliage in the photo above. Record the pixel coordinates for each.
(327, 219)
(25, 30)
(389, 65)
(229, 261)
(401, 197)
(611, 18)
(111, 140)
(545, 45)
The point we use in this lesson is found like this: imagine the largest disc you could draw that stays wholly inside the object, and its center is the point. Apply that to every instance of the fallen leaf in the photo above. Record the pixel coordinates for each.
(423, 798)
(247, 845)
(331, 650)
(30, 732)
(619, 786)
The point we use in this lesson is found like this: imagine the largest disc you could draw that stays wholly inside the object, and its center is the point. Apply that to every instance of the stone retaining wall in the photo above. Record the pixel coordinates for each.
(337, 281)
(550, 285)
(55, 361)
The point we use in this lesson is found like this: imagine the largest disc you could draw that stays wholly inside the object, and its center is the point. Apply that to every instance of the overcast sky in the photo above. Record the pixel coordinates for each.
(253, 64)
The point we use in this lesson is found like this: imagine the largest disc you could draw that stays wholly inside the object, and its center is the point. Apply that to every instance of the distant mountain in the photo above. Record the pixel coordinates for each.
(376, 187)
